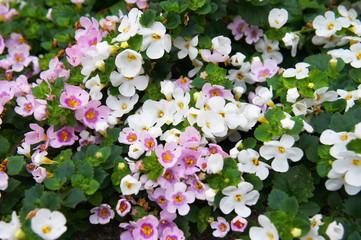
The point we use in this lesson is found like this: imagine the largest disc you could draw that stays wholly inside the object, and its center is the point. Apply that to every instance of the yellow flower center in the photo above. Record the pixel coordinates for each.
(255, 161)
(28, 107)
(270, 235)
(72, 103)
(150, 143)
(161, 200)
(178, 198)
(104, 212)
(147, 229)
(240, 76)
(181, 105)
(168, 175)
(223, 227)
(238, 224)
(281, 149)
(238, 198)
(156, 37)
(90, 115)
(131, 57)
(215, 93)
(330, 26)
(187, 45)
(269, 49)
(183, 80)
(18, 58)
(167, 157)
(46, 229)
(189, 161)
(132, 137)
(64, 136)
(358, 56)
(122, 207)
(124, 106)
(356, 162)
(128, 184)
(344, 137)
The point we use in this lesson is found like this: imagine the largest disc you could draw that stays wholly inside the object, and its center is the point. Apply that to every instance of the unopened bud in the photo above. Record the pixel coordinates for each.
(124, 44)
(226, 180)
(211, 219)
(333, 63)
(311, 85)
(296, 232)
(98, 155)
(121, 166)
(100, 65)
(196, 95)
(19, 234)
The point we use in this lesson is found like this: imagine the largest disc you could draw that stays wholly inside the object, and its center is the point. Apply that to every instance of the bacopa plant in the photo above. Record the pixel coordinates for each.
(175, 119)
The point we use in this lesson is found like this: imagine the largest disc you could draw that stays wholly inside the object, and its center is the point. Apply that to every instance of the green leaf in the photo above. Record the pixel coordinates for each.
(195, 4)
(96, 199)
(354, 236)
(75, 196)
(134, 43)
(263, 132)
(249, 143)
(335, 106)
(169, 6)
(215, 181)
(297, 182)
(289, 206)
(216, 74)
(355, 74)
(34, 193)
(309, 209)
(311, 4)
(344, 122)
(5, 145)
(275, 197)
(92, 187)
(53, 183)
(87, 170)
(318, 61)
(207, 8)
(352, 206)
(12, 184)
(50, 200)
(15, 165)
(173, 20)
(254, 15)
(148, 17)
(61, 14)
(202, 220)
(198, 82)
(310, 144)
(152, 165)
(354, 145)
(66, 170)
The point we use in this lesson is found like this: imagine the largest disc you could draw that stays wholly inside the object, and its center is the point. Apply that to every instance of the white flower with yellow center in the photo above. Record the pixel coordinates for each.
(128, 85)
(277, 17)
(249, 162)
(269, 49)
(337, 180)
(237, 59)
(128, 26)
(129, 63)
(187, 46)
(349, 96)
(339, 140)
(349, 164)
(281, 151)
(94, 58)
(291, 40)
(48, 225)
(300, 72)
(237, 198)
(328, 25)
(268, 231)
(215, 163)
(95, 87)
(130, 185)
(335, 231)
(212, 124)
(120, 104)
(155, 40)
(181, 101)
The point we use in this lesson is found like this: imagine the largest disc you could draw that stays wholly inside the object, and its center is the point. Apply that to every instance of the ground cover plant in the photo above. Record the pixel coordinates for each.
(177, 119)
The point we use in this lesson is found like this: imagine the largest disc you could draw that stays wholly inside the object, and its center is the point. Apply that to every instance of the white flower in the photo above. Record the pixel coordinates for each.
(281, 151)
(316, 221)
(197, 66)
(349, 163)
(249, 163)
(95, 88)
(128, 85)
(268, 231)
(241, 76)
(277, 17)
(300, 72)
(351, 14)
(287, 123)
(328, 25)
(337, 180)
(269, 49)
(128, 26)
(335, 231)
(9, 230)
(222, 45)
(312, 234)
(350, 96)
(292, 95)
(129, 63)
(215, 163)
(329, 42)
(181, 100)
(322, 95)
(291, 40)
(155, 40)
(120, 104)
(129, 185)
(167, 88)
(212, 124)
(339, 140)
(237, 198)
(237, 59)
(94, 57)
(4, 181)
(187, 46)
(136, 150)
(48, 225)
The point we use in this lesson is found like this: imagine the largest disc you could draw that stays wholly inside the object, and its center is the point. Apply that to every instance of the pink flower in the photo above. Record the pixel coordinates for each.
(214, 148)
(19, 57)
(123, 207)
(101, 214)
(238, 27)
(179, 198)
(22, 86)
(4, 181)
(188, 162)
(74, 55)
(5, 64)
(167, 179)
(197, 187)
(238, 224)
(73, 97)
(7, 91)
(2, 44)
(128, 136)
(216, 90)
(183, 82)
(88, 24)
(39, 174)
(221, 227)
(91, 114)
(36, 136)
(91, 38)
(173, 233)
(168, 156)
(253, 34)
(56, 70)
(166, 220)
(214, 57)
(146, 228)
(159, 197)
(40, 111)
(261, 71)
(15, 39)
(140, 3)
(190, 137)
(63, 137)
(149, 143)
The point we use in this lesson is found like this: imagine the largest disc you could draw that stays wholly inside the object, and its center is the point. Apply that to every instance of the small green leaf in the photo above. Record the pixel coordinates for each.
(173, 20)
(87, 170)
(202, 221)
(15, 165)
(75, 196)
(275, 197)
(249, 143)
(50, 200)
(289, 206)
(198, 82)
(255, 181)
(53, 183)
(148, 17)
(355, 74)
(5, 145)
(352, 206)
(134, 43)
(263, 133)
(96, 199)
(309, 209)
(354, 145)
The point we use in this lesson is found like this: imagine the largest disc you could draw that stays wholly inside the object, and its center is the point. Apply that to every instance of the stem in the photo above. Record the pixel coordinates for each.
(305, 30)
